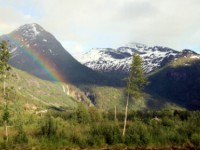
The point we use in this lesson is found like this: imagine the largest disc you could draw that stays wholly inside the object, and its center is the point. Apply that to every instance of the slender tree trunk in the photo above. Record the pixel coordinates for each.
(6, 131)
(126, 113)
(4, 87)
(115, 113)
(5, 122)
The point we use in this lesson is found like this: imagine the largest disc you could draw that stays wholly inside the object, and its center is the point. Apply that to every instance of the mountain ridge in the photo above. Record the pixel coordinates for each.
(118, 60)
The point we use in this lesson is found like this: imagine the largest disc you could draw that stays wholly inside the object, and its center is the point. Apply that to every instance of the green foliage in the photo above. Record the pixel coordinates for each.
(82, 114)
(137, 134)
(95, 115)
(195, 139)
(78, 136)
(154, 129)
(107, 132)
(4, 70)
(137, 79)
(6, 114)
(3, 145)
(48, 127)
(21, 136)
(4, 57)
(167, 122)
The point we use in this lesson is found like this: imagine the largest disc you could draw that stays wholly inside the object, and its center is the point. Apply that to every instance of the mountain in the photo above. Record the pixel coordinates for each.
(118, 60)
(38, 52)
(178, 81)
(30, 90)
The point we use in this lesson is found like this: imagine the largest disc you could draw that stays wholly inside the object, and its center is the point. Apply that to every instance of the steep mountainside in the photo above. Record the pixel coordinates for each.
(36, 51)
(178, 81)
(119, 60)
(30, 91)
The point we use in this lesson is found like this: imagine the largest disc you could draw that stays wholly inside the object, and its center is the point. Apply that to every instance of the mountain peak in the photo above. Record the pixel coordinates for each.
(32, 29)
(39, 53)
(136, 45)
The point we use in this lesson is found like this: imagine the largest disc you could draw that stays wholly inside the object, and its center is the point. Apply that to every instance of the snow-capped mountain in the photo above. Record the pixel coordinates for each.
(38, 52)
(119, 60)
(32, 47)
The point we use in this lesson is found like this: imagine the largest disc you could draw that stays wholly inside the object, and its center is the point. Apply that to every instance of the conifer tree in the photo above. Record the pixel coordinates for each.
(136, 82)
(4, 72)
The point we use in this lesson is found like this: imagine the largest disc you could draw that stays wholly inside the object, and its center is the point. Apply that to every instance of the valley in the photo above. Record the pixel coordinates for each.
(54, 101)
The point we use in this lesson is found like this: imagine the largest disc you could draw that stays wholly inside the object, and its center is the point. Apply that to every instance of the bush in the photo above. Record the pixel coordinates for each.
(48, 127)
(78, 138)
(82, 114)
(21, 136)
(106, 132)
(137, 134)
(167, 122)
(175, 138)
(195, 139)
(95, 115)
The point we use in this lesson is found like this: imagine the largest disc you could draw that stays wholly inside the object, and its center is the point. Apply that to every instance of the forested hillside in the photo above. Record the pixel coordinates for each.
(178, 81)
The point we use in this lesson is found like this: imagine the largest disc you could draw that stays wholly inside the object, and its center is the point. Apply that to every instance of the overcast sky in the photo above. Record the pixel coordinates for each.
(84, 24)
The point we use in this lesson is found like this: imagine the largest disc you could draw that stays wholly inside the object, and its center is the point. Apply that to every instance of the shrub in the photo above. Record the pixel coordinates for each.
(82, 114)
(175, 138)
(137, 134)
(78, 138)
(21, 136)
(167, 122)
(95, 115)
(106, 132)
(48, 127)
(195, 139)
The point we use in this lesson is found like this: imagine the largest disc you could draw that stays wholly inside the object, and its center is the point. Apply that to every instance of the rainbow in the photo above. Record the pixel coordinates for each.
(41, 61)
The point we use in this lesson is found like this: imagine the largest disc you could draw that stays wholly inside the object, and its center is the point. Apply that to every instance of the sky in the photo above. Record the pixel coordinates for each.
(81, 25)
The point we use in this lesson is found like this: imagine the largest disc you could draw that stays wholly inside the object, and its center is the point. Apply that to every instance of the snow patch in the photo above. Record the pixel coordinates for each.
(50, 51)
(36, 32)
(13, 50)
(44, 40)
(195, 57)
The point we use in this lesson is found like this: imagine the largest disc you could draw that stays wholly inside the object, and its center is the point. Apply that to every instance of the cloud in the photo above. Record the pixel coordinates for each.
(109, 23)
(11, 18)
